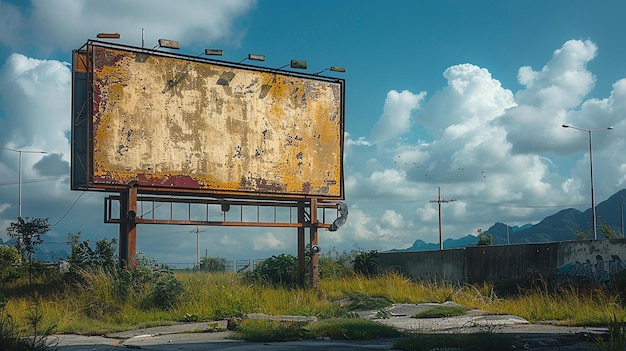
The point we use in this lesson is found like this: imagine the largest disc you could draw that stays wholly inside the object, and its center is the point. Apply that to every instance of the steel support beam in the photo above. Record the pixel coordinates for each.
(301, 246)
(315, 278)
(128, 226)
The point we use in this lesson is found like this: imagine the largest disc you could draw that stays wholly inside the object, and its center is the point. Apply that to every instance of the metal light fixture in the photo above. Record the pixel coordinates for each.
(298, 64)
(593, 202)
(332, 68)
(254, 57)
(213, 52)
(342, 208)
(167, 43)
(108, 35)
(225, 207)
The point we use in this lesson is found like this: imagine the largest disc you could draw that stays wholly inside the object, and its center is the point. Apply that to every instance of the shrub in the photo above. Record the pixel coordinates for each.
(9, 334)
(146, 275)
(335, 265)
(484, 238)
(83, 257)
(277, 270)
(34, 338)
(9, 259)
(145, 284)
(213, 264)
(365, 263)
(166, 292)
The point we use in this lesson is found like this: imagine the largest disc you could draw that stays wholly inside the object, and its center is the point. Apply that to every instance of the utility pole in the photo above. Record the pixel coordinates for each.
(439, 201)
(198, 246)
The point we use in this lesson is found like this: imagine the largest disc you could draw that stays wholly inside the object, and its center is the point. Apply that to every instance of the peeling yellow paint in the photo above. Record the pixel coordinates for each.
(221, 128)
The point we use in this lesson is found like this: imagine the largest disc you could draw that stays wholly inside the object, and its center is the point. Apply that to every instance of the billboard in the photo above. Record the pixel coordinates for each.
(178, 124)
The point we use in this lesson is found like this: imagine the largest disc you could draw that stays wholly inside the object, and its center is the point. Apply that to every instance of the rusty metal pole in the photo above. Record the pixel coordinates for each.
(301, 245)
(123, 235)
(132, 226)
(128, 227)
(315, 278)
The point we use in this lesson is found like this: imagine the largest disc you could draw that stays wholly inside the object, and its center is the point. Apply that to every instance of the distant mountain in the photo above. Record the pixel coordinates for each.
(560, 226)
(421, 245)
(44, 252)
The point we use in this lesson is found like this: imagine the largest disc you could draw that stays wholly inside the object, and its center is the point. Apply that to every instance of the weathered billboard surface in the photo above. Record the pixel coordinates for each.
(179, 124)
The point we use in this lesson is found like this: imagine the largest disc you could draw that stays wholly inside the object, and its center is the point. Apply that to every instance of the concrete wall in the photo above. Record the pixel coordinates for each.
(597, 260)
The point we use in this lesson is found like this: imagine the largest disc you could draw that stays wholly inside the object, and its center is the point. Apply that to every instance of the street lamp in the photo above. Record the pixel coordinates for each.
(593, 202)
(19, 175)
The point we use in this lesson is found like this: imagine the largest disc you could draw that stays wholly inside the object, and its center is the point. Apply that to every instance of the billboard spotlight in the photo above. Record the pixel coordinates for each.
(108, 35)
(166, 43)
(299, 64)
(213, 52)
(254, 57)
(332, 68)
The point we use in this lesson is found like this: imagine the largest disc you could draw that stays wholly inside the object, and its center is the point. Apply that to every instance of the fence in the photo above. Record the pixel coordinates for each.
(596, 260)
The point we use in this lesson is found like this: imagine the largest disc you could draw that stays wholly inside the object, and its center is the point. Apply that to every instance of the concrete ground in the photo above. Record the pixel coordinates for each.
(199, 336)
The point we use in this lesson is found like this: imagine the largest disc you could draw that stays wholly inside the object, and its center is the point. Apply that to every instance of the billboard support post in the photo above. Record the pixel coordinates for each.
(128, 226)
(301, 245)
(314, 248)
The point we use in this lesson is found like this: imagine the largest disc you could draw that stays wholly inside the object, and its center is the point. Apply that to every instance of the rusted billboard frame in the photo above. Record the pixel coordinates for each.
(81, 112)
(85, 179)
(129, 219)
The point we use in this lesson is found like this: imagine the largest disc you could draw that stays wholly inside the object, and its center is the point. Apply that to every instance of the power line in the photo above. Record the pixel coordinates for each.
(68, 210)
(467, 201)
(39, 180)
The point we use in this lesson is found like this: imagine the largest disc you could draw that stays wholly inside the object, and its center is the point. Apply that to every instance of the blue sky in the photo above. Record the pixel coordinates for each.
(468, 96)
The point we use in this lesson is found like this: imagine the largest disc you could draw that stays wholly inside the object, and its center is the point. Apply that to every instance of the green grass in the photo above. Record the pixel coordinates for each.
(333, 328)
(257, 330)
(95, 308)
(352, 329)
(441, 311)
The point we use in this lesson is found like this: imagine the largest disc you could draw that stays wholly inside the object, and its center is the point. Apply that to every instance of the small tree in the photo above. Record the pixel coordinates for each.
(213, 264)
(28, 232)
(277, 270)
(484, 238)
(82, 256)
(9, 257)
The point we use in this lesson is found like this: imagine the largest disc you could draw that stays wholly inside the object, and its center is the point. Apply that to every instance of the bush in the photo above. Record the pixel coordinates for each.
(277, 270)
(335, 264)
(365, 263)
(83, 257)
(166, 292)
(9, 260)
(163, 289)
(145, 284)
(213, 264)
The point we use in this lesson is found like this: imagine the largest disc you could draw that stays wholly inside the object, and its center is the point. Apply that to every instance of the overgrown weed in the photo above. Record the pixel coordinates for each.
(94, 307)
(616, 338)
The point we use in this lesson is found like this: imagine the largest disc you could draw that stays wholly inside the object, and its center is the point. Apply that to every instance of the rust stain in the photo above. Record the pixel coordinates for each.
(191, 125)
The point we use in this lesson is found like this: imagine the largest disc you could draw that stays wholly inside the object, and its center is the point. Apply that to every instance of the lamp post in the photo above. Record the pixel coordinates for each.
(593, 202)
(19, 175)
